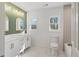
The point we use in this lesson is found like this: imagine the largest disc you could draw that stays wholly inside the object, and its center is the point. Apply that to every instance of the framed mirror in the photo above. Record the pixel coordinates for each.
(15, 19)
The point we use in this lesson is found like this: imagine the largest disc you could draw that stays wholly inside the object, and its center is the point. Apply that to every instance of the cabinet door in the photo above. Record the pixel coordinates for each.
(20, 44)
(10, 49)
(7, 49)
(29, 41)
(25, 41)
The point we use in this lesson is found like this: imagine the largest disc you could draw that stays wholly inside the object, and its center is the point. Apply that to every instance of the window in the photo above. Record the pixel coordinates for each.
(53, 23)
(34, 23)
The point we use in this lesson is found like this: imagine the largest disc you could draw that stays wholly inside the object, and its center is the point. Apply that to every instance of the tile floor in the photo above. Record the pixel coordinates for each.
(39, 52)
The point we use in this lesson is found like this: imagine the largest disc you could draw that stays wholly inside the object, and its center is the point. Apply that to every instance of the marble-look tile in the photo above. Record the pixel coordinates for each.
(39, 52)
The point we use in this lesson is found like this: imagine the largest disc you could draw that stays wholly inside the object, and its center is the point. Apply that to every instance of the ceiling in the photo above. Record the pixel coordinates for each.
(37, 5)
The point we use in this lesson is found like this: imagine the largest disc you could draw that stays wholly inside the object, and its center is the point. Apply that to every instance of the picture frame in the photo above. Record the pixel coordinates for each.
(54, 23)
(34, 23)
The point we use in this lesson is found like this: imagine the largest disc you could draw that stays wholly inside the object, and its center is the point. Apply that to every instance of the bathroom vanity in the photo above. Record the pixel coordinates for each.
(14, 43)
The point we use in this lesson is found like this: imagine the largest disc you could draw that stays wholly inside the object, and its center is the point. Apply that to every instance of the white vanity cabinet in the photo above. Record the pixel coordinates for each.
(14, 43)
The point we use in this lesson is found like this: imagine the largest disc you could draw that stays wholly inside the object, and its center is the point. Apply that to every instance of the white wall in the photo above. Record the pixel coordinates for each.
(2, 28)
(41, 36)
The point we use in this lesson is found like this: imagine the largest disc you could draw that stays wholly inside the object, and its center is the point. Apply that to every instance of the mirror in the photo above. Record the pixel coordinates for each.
(15, 19)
